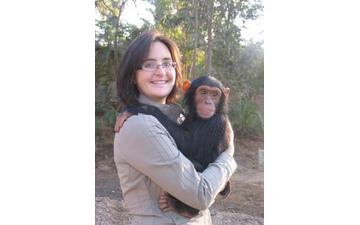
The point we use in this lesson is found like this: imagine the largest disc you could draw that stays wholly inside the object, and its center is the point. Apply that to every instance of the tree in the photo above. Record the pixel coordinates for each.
(111, 11)
(208, 33)
(196, 39)
(210, 12)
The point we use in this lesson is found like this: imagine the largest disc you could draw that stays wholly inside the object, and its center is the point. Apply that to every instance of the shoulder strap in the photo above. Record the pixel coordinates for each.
(181, 135)
(170, 125)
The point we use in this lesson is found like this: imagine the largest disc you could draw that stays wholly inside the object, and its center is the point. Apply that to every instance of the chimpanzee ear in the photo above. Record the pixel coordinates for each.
(227, 92)
(186, 85)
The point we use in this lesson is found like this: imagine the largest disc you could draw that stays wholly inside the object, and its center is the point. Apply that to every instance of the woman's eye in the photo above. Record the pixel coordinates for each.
(166, 64)
(150, 65)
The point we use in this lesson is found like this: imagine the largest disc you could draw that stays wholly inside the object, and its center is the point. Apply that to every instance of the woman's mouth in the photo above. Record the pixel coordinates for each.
(159, 83)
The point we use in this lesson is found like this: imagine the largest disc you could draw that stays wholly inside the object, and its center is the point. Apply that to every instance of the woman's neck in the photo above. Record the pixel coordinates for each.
(173, 111)
(146, 100)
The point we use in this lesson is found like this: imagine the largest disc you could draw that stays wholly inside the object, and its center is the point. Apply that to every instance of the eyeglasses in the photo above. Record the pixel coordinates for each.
(153, 66)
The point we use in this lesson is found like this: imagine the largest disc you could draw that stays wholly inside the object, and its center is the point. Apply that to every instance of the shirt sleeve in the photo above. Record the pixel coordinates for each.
(147, 146)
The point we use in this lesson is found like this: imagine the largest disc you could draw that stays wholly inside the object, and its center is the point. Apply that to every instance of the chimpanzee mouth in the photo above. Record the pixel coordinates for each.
(206, 113)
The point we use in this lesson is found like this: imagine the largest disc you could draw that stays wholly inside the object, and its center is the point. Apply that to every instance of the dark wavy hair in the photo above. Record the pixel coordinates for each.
(134, 56)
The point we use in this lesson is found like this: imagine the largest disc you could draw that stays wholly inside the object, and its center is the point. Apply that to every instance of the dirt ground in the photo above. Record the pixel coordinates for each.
(244, 206)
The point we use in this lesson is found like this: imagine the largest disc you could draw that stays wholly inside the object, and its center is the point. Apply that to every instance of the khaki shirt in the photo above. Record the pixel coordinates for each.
(149, 163)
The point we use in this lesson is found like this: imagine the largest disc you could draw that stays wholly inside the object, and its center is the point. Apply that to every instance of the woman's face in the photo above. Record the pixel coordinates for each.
(156, 84)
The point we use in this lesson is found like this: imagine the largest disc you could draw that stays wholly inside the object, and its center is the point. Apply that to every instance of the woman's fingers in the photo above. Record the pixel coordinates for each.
(120, 120)
(164, 203)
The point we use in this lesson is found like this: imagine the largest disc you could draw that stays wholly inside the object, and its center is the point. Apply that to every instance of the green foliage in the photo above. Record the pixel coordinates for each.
(246, 118)
(109, 117)
(239, 65)
(103, 74)
(97, 127)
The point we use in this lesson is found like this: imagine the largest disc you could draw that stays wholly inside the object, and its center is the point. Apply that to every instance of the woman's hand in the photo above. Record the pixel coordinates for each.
(165, 203)
(120, 120)
(231, 149)
(165, 206)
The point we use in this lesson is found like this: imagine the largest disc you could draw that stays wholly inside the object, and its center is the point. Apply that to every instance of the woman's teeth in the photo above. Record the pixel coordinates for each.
(159, 82)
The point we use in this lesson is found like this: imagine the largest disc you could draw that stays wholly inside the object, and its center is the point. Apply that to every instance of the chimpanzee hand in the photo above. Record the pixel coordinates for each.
(226, 191)
(120, 120)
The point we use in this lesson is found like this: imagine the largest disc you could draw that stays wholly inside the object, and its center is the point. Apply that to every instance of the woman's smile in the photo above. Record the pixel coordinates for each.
(157, 84)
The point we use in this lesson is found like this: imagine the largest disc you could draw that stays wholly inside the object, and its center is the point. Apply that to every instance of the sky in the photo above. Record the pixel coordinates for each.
(253, 30)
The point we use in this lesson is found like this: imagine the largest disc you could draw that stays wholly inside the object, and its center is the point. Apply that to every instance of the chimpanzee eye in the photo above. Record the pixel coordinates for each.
(203, 92)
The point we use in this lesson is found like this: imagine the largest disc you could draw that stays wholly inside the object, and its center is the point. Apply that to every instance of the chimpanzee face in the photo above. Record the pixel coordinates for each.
(207, 99)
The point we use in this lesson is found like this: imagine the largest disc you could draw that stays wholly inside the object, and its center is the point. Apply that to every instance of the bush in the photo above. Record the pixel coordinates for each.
(246, 118)
(110, 117)
(97, 128)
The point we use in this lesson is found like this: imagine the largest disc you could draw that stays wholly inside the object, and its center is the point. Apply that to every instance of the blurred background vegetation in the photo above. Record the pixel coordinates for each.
(209, 34)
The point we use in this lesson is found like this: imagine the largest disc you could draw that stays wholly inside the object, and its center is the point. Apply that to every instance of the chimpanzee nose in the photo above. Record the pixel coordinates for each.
(207, 100)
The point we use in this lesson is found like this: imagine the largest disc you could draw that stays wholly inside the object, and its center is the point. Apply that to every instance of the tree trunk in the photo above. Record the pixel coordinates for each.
(209, 31)
(196, 37)
(115, 55)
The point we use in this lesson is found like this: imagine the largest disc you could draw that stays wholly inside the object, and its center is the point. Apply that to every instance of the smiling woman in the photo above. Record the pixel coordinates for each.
(145, 66)
(156, 78)
(146, 156)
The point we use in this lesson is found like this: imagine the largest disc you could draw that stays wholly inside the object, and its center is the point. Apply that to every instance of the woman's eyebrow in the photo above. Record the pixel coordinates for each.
(152, 59)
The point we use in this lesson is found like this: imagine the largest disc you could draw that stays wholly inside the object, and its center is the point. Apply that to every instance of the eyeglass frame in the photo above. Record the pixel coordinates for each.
(172, 66)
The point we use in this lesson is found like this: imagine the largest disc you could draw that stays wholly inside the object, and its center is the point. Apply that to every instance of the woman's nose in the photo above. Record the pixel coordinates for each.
(160, 71)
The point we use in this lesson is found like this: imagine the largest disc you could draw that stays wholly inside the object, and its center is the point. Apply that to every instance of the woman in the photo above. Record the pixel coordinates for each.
(146, 157)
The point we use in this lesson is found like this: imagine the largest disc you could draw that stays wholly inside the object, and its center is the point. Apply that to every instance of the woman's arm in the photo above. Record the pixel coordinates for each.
(120, 120)
(146, 145)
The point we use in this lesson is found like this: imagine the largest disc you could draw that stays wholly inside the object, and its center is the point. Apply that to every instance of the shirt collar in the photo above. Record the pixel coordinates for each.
(173, 111)
(146, 100)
